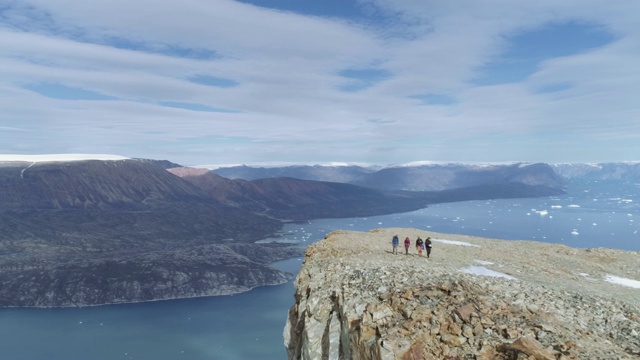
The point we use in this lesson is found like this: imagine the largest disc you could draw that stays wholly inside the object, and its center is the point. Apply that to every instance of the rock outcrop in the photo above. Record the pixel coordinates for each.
(474, 298)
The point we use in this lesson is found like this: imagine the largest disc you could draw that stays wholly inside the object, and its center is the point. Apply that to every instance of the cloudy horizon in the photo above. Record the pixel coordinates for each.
(368, 81)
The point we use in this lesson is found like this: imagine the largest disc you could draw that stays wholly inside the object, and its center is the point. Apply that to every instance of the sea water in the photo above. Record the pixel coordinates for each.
(250, 325)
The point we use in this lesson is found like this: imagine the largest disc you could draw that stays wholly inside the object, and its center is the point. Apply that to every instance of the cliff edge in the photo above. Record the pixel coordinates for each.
(474, 298)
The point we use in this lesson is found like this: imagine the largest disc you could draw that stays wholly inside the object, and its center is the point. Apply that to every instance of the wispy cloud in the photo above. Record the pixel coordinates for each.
(368, 80)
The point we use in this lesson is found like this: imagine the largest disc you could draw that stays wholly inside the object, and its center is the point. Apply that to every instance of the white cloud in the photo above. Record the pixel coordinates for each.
(285, 67)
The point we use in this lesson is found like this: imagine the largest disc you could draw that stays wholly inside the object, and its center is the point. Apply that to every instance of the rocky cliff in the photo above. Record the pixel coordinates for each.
(474, 298)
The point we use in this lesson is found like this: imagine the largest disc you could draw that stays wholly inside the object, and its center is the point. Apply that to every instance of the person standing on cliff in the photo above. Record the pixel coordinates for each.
(427, 244)
(419, 246)
(407, 243)
(395, 242)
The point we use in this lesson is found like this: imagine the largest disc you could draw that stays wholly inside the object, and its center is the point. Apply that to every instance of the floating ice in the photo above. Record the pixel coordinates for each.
(575, 232)
(622, 281)
(543, 212)
(480, 270)
(556, 206)
(577, 206)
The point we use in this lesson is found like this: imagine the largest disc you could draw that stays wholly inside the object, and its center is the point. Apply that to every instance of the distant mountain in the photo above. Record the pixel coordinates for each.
(297, 199)
(93, 232)
(625, 171)
(97, 232)
(429, 177)
(165, 164)
(91, 184)
(343, 174)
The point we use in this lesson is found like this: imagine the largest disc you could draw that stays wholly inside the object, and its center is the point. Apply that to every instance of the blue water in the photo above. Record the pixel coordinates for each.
(249, 325)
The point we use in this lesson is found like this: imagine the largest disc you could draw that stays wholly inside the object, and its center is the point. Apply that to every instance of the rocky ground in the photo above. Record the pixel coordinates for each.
(475, 298)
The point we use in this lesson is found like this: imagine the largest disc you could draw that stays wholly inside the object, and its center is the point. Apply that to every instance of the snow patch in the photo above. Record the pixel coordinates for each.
(454, 242)
(480, 270)
(622, 281)
(483, 262)
(59, 157)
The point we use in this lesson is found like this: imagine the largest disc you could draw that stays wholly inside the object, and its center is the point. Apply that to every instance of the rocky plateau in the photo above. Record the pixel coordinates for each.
(474, 298)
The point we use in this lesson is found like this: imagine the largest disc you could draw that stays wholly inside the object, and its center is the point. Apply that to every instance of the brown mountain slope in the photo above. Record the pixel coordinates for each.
(98, 232)
(296, 199)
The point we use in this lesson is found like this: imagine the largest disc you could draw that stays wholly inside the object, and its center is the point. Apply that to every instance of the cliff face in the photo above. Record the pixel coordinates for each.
(473, 298)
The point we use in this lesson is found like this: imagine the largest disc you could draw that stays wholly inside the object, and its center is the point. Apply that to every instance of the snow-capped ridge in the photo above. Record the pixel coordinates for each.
(58, 157)
(449, 163)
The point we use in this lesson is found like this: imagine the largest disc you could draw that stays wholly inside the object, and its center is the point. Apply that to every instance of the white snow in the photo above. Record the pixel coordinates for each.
(454, 242)
(465, 163)
(480, 270)
(483, 262)
(59, 157)
(622, 281)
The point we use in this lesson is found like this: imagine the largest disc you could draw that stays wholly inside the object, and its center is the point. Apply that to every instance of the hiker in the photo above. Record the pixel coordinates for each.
(419, 246)
(427, 243)
(407, 243)
(395, 242)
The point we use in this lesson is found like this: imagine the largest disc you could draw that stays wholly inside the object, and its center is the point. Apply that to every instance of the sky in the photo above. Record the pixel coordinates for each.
(309, 81)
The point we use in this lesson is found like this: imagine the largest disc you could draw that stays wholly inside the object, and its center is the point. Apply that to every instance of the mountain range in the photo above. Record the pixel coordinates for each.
(95, 232)
(624, 171)
(418, 177)
(439, 176)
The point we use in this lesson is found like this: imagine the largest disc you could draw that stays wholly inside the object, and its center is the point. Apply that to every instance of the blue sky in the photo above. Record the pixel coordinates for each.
(295, 81)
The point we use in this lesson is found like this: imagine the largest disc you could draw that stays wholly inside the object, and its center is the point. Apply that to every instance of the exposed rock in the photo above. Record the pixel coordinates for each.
(545, 301)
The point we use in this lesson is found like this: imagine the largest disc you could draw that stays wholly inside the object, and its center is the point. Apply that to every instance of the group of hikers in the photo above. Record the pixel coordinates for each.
(420, 245)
